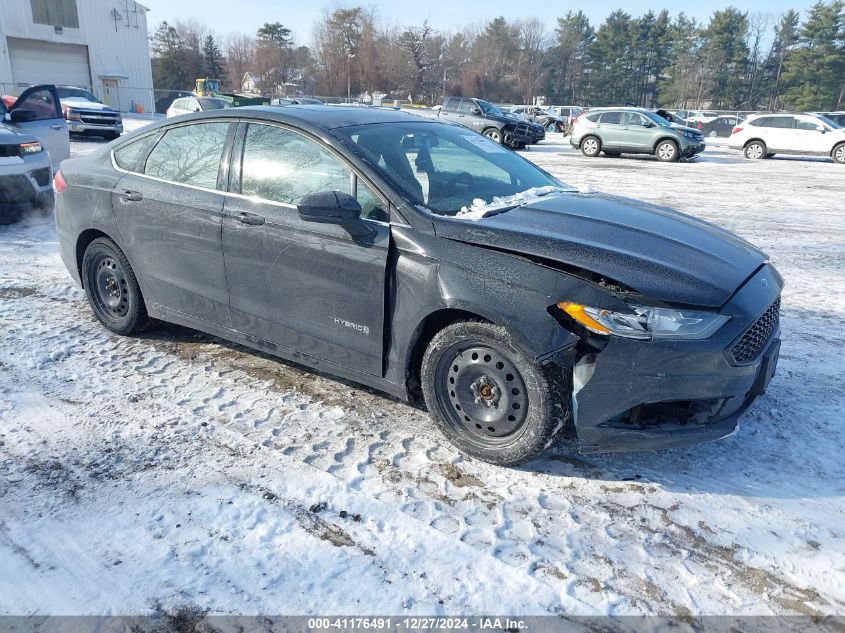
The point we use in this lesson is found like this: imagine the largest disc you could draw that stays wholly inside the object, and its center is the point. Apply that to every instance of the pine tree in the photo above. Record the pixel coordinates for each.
(212, 58)
(568, 59)
(814, 71)
(169, 50)
(726, 48)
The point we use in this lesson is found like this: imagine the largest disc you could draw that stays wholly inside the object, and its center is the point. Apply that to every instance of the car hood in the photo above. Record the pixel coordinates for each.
(84, 104)
(663, 254)
(9, 135)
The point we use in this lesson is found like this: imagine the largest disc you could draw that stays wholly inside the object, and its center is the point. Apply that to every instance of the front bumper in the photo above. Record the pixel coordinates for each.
(95, 125)
(25, 183)
(648, 395)
(690, 148)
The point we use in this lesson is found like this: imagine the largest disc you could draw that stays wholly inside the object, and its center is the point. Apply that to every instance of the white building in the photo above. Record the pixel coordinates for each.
(102, 45)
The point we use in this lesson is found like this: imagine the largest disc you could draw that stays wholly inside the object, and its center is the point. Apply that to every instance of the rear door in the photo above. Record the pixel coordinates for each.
(48, 124)
(308, 287)
(779, 133)
(169, 209)
(609, 127)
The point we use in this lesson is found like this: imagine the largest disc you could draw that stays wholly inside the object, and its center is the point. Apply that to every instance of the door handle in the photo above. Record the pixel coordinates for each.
(57, 127)
(131, 196)
(253, 219)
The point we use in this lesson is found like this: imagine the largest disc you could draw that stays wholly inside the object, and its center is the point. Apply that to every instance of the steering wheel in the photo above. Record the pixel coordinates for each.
(459, 178)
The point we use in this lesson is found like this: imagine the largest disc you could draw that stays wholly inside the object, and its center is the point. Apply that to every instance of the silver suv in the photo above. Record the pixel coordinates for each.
(617, 131)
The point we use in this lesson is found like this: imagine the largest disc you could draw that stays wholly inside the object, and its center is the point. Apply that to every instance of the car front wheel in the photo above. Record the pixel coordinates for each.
(490, 400)
(493, 134)
(667, 151)
(112, 289)
(755, 150)
(591, 146)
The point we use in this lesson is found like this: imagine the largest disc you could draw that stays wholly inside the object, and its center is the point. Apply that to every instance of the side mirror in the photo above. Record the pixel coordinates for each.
(22, 116)
(648, 124)
(822, 129)
(334, 207)
(476, 110)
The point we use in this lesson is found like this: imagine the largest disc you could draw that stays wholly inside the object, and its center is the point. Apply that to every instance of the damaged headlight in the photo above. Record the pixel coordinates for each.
(646, 322)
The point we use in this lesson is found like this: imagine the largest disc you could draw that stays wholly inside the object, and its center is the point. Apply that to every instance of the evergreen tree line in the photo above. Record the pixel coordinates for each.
(736, 60)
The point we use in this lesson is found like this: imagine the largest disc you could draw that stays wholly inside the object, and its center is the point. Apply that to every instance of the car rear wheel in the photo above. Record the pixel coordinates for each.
(612, 154)
(667, 151)
(591, 146)
(112, 288)
(488, 398)
(493, 134)
(712, 134)
(755, 150)
(839, 153)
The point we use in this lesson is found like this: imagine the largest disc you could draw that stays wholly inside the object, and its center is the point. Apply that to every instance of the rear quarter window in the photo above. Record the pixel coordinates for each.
(189, 154)
(131, 156)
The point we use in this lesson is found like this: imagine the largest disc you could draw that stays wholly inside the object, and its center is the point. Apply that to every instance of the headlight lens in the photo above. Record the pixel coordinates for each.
(646, 322)
(73, 114)
(28, 149)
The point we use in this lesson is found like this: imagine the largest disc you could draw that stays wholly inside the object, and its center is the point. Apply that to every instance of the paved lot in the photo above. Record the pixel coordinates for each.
(175, 470)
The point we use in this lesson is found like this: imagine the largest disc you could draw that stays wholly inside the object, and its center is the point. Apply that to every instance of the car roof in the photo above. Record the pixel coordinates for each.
(326, 117)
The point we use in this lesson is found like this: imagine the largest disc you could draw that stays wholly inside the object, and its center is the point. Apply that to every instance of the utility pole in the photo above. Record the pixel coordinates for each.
(349, 57)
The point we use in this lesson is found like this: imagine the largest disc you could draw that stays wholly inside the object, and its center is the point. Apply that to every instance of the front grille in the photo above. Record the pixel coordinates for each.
(98, 118)
(7, 151)
(755, 338)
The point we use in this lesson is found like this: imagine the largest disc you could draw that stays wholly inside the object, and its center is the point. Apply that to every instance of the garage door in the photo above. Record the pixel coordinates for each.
(35, 62)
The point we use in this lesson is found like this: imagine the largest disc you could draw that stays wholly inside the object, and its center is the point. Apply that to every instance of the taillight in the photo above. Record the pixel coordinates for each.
(59, 183)
(699, 125)
(736, 130)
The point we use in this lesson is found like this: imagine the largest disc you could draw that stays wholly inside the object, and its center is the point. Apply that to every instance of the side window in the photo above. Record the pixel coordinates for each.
(764, 122)
(612, 118)
(451, 104)
(631, 118)
(783, 122)
(467, 106)
(42, 103)
(371, 205)
(807, 125)
(189, 154)
(594, 117)
(131, 155)
(284, 166)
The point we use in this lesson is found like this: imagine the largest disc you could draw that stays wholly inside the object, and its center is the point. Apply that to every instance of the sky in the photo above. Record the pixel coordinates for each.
(223, 16)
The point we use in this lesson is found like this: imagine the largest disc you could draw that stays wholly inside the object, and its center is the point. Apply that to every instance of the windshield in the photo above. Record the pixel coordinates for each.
(656, 118)
(488, 108)
(212, 104)
(443, 168)
(827, 121)
(76, 93)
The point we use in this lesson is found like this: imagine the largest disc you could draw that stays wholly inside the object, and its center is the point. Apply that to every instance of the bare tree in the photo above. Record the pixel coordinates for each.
(240, 56)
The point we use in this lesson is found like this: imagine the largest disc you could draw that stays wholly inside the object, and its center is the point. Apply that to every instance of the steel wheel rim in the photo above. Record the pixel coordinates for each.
(666, 151)
(591, 146)
(482, 394)
(109, 288)
(755, 151)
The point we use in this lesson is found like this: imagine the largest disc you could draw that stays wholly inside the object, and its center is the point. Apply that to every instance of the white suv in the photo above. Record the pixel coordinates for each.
(764, 135)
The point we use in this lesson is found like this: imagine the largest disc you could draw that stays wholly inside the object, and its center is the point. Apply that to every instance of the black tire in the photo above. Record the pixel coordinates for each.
(494, 134)
(838, 153)
(112, 288)
(667, 151)
(590, 146)
(498, 406)
(112, 136)
(612, 154)
(755, 150)
(771, 155)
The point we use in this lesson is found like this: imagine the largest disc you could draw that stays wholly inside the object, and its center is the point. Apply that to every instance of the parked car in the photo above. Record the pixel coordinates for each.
(487, 119)
(764, 135)
(427, 261)
(282, 101)
(569, 114)
(164, 102)
(85, 114)
(721, 126)
(543, 116)
(27, 132)
(187, 105)
(37, 111)
(617, 131)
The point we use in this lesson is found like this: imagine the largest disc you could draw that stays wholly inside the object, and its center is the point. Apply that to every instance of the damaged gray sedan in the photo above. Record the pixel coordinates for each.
(429, 262)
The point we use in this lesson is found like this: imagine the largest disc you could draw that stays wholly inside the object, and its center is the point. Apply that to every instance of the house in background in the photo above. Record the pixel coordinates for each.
(101, 45)
(249, 84)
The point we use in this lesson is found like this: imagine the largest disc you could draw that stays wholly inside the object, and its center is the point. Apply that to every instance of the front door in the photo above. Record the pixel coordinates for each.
(110, 96)
(170, 218)
(811, 135)
(308, 287)
(48, 124)
(637, 133)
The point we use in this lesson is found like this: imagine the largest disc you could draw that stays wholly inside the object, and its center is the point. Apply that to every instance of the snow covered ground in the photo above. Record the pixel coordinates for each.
(176, 470)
